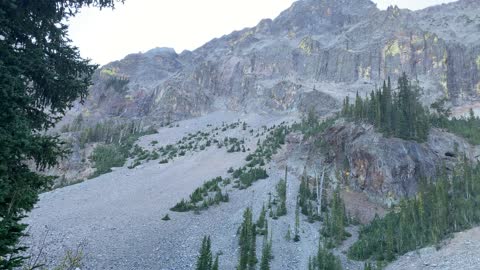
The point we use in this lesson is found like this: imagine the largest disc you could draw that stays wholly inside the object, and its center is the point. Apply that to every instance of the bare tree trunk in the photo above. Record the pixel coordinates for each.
(286, 186)
(318, 192)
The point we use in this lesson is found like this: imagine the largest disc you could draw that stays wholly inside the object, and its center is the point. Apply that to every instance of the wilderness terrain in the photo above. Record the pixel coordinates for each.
(157, 125)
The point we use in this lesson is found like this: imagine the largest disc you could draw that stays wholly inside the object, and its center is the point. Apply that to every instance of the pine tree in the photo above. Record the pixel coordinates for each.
(261, 222)
(247, 242)
(266, 254)
(41, 76)
(338, 215)
(204, 261)
(288, 235)
(215, 264)
(296, 237)
(252, 260)
(325, 260)
(282, 195)
(304, 197)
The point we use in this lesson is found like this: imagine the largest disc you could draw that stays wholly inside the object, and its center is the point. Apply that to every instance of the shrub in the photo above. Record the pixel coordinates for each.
(105, 157)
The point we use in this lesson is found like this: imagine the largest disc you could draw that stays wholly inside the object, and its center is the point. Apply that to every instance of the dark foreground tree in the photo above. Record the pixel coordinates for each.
(41, 75)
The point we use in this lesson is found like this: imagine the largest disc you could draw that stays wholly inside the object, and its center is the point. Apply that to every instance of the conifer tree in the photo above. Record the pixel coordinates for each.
(247, 242)
(282, 195)
(266, 254)
(261, 222)
(288, 235)
(296, 237)
(324, 260)
(252, 260)
(215, 264)
(41, 75)
(204, 261)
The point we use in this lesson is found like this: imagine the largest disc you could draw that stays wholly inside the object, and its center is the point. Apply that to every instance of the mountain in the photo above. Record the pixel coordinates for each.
(310, 56)
(180, 144)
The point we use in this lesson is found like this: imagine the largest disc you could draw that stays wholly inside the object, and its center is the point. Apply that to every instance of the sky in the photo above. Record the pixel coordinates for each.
(139, 25)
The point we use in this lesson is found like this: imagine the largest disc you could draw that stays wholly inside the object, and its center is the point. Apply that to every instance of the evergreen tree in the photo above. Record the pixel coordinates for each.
(215, 264)
(282, 195)
(252, 260)
(41, 75)
(266, 254)
(305, 195)
(296, 237)
(324, 260)
(288, 235)
(204, 261)
(334, 222)
(261, 222)
(247, 242)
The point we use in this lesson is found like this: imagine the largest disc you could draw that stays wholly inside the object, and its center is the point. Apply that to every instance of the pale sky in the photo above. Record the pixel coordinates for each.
(140, 25)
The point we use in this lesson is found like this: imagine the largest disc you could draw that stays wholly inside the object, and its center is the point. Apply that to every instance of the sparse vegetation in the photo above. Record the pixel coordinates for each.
(73, 259)
(210, 193)
(191, 142)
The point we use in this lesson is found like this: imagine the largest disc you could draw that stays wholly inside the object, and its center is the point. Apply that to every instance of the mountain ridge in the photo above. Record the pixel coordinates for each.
(315, 44)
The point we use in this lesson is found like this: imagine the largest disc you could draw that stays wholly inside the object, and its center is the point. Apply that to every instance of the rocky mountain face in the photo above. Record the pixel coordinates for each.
(388, 169)
(310, 56)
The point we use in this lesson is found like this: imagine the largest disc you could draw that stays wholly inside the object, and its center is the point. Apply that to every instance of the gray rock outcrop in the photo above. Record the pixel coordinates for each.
(388, 169)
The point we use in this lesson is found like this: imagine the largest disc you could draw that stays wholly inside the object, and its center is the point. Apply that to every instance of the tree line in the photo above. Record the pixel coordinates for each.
(399, 113)
(395, 113)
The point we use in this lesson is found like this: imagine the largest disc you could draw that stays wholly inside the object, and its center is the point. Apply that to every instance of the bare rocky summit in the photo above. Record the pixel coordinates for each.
(335, 47)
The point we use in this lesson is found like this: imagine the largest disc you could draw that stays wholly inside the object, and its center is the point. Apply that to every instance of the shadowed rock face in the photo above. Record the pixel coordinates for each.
(335, 46)
(389, 169)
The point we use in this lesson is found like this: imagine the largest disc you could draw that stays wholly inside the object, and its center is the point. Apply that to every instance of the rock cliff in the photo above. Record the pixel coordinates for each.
(332, 46)
(388, 169)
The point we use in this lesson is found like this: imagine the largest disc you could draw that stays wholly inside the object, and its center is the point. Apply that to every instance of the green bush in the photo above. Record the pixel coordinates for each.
(105, 157)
